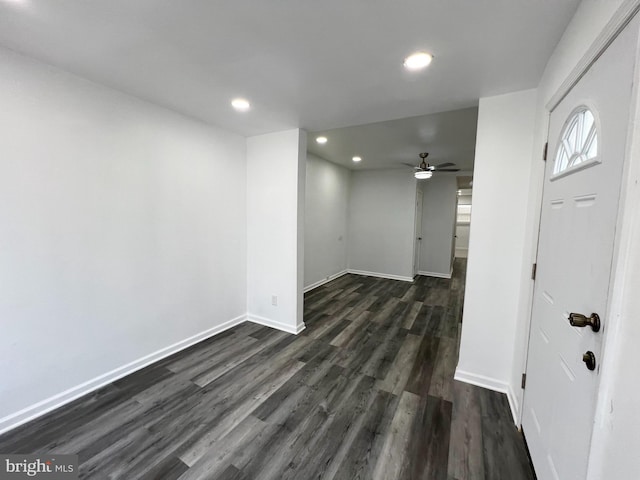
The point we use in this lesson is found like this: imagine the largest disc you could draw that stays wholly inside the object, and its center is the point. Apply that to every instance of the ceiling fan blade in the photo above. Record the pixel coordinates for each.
(412, 165)
(447, 170)
(447, 164)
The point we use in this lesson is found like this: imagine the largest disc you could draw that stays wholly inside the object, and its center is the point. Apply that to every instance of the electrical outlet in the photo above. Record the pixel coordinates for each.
(274, 300)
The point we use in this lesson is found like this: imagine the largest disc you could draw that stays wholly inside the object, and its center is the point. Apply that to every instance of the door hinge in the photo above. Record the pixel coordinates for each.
(534, 269)
(523, 383)
(544, 151)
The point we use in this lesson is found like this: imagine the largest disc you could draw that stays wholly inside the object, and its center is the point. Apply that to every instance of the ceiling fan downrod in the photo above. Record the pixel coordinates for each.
(423, 165)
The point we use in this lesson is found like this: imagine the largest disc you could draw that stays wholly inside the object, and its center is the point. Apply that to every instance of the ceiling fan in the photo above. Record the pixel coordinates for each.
(424, 170)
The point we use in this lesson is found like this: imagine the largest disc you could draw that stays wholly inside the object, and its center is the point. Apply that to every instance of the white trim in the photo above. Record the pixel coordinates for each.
(45, 406)
(388, 276)
(319, 283)
(481, 381)
(620, 19)
(267, 322)
(490, 384)
(576, 168)
(514, 405)
(436, 274)
(417, 242)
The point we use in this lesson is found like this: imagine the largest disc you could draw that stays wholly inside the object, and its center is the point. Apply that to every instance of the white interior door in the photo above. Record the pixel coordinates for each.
(418, 233)
(587, 139)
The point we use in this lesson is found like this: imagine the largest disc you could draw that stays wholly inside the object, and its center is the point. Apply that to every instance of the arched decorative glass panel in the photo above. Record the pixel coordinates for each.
(578, 142)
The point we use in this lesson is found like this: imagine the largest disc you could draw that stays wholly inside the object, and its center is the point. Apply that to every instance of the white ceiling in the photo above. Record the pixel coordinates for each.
(302, 63)
(447, 137)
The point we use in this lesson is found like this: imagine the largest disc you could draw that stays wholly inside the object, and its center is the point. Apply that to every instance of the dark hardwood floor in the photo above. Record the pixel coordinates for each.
(365, 392)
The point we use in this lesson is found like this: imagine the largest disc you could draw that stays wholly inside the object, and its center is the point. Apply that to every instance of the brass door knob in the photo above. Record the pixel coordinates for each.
(589, 360)
(579, 320)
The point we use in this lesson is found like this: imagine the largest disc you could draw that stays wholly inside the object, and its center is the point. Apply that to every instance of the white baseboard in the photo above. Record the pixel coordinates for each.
(381, 275)
(481, 381)
(267, 322)
(45, 406)
(436, 274)
(491, 384)
(325, 280)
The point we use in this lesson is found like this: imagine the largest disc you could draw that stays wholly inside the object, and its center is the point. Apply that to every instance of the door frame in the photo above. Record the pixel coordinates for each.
(621, 18)
(417, 244)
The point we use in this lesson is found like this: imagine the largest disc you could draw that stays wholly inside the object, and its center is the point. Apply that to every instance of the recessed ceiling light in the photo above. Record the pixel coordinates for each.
(240, 104)
(357, 159)
(321, 140)
(417, 61)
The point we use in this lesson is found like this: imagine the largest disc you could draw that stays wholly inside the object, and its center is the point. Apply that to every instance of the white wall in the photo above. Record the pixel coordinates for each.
(275, 244)
(382, 222)
(122, 233)
(326, 220)
(497, 237)
(438, 224)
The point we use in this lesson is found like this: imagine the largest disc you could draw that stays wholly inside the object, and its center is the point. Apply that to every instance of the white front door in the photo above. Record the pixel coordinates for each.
(587, 140)
(418, 233)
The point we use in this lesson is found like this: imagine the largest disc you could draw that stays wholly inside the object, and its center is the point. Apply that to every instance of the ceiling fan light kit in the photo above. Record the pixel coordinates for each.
(424, 170)
(423, 174)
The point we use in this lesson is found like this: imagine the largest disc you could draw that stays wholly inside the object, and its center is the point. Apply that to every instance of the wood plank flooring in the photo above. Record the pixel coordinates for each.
(365, 392)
